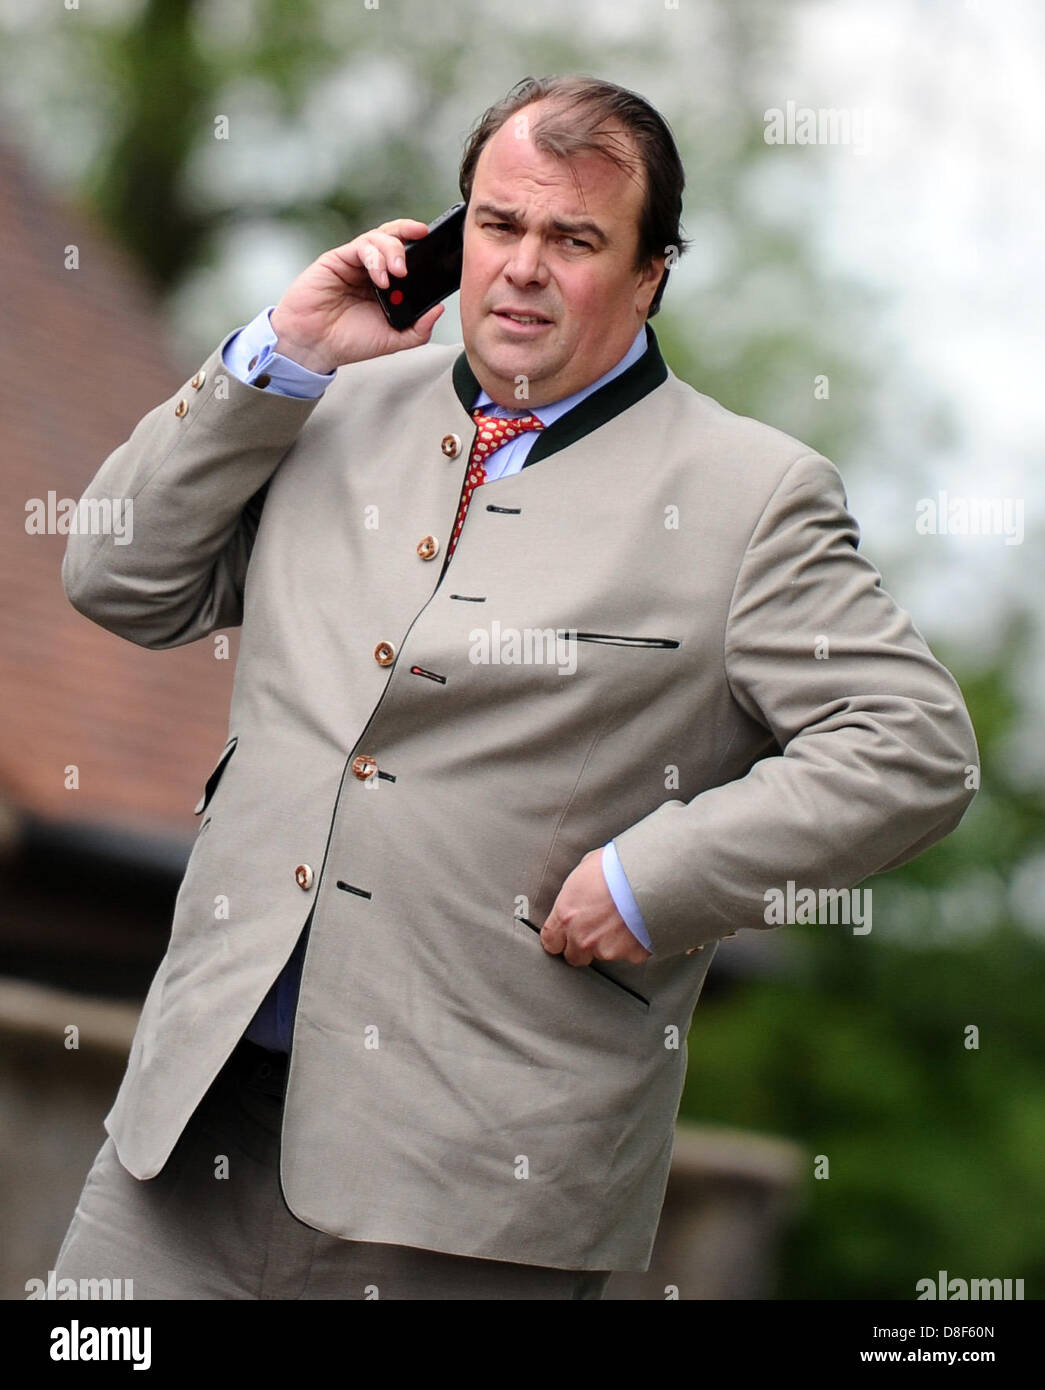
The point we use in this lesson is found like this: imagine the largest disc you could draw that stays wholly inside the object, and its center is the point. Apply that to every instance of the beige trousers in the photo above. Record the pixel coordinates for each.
(192, 1233)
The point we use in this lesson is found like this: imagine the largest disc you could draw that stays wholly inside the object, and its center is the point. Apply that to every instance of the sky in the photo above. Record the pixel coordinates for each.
(945, 212)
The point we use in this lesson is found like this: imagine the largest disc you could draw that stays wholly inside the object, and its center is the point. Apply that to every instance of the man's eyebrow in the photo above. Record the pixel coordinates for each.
(569, 228)
(590, 228)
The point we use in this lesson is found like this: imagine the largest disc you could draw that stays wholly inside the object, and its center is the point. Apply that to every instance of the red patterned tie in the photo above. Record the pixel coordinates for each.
(492, 431)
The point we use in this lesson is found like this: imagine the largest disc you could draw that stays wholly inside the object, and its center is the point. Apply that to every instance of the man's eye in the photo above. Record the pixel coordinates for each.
(577, 242)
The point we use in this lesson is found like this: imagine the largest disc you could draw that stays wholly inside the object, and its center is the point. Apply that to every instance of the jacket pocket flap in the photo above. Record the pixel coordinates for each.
(594, 967)
(215, 776)
(618, 639)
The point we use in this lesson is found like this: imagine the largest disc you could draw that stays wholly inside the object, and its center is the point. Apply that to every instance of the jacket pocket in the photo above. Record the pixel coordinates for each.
(215, 777)
(640, 999)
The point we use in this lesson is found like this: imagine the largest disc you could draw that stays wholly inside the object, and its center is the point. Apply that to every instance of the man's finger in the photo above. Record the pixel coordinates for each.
(404, 226)
(576, 955)
(553, 934)
(421, 330)
(381, 256)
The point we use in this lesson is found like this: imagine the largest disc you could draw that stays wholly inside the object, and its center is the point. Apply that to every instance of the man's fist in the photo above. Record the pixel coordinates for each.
(330, 316)
(584, 924)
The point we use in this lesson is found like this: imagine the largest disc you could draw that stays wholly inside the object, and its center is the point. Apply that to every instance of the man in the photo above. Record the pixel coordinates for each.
(518, 691)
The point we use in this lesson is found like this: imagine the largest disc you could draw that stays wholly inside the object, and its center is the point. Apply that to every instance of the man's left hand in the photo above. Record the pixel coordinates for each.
(584, 924)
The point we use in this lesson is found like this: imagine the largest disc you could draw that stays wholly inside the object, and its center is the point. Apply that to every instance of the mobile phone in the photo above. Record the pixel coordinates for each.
(433, 271)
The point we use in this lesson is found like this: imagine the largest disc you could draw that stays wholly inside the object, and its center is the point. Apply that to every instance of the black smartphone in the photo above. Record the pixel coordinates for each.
(433, 271)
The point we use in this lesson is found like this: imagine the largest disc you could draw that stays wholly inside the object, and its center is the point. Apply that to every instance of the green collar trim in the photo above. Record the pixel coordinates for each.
(602, 405)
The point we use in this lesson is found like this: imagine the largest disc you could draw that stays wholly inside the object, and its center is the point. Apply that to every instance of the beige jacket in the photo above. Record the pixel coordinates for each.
(665, 570)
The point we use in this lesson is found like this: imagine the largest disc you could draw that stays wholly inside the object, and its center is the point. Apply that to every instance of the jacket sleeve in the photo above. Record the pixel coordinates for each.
(191, 480)
(875, 740)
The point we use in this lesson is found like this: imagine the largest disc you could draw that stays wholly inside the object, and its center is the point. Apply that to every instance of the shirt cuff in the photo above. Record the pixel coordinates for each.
(620, 892)
(249, 355)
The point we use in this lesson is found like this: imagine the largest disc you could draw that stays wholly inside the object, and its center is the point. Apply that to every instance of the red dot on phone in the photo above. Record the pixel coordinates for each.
(396, 297)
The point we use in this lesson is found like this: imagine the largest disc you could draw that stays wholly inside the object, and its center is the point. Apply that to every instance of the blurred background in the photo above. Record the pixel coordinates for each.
(168, 166)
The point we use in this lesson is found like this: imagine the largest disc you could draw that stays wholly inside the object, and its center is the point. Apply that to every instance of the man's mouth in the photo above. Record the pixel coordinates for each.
(520, 318)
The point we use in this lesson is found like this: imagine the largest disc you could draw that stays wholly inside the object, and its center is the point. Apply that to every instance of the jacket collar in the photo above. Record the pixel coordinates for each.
(602, 405)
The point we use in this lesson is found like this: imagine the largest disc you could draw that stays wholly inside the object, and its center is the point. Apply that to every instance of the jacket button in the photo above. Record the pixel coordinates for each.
(364, 766)
(451, 445)
(198, 380)
(384, 653)
(427, 547)
(304, 876)
(182, 408)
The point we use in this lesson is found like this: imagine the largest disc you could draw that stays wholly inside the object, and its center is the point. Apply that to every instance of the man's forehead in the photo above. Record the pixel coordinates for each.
(512, 174)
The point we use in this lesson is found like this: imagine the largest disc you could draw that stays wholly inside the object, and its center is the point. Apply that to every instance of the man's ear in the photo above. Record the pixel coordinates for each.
(649, 280)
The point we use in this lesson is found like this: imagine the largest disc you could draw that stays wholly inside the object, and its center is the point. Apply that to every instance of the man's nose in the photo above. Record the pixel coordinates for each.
(526, 264)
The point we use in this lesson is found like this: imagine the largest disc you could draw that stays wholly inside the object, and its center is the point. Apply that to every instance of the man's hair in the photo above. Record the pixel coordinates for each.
(578, 115)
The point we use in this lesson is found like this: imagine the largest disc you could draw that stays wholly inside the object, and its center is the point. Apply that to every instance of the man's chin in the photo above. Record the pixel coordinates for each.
(509, 360)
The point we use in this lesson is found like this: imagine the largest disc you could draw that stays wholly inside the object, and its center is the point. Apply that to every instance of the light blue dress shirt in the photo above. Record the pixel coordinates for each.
(251, 356)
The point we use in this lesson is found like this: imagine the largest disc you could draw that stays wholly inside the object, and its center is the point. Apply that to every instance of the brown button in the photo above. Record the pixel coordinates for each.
(427, 547)
(364, 766)
(182, 408)
(198, 380)
(451, 445)
(252, 363)
(384, 653)
(303, 874)
(262, 380)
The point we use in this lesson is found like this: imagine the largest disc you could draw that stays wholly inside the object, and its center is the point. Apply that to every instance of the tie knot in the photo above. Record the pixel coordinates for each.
(495, 430)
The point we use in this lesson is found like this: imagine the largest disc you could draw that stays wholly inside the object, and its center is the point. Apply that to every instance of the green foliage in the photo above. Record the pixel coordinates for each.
(860, 1055)
(934, 1148)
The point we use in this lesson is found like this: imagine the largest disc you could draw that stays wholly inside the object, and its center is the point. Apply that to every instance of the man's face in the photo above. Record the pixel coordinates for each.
(543, 241)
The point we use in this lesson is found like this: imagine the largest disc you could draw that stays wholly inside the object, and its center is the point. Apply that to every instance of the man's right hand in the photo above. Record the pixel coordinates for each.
(329, 316)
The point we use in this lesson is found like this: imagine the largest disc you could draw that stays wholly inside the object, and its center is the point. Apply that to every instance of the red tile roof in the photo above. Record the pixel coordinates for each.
(82, 357)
